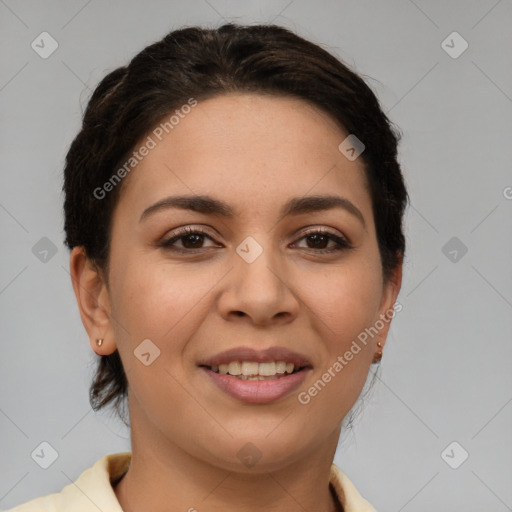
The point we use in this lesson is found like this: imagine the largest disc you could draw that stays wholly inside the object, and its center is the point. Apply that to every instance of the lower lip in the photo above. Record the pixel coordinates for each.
(257, 391)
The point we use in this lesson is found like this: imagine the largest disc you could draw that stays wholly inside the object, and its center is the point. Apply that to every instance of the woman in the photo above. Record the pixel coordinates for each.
(234, 212)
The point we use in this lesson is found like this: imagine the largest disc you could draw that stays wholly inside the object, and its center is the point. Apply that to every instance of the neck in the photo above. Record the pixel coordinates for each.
(163, 477)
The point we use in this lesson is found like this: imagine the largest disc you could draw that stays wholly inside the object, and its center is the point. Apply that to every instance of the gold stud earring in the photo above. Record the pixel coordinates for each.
(99, 342)
(378, 356)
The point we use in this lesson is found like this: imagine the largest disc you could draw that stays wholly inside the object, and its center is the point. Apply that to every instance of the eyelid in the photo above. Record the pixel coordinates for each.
(184, 231)
(324, 230)
(342, 242)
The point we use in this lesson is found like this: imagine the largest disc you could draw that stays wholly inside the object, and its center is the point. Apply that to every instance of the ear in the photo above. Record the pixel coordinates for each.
(387, 309)
(93, 300)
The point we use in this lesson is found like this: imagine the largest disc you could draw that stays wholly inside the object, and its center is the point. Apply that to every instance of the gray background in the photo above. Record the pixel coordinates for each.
(446, 372)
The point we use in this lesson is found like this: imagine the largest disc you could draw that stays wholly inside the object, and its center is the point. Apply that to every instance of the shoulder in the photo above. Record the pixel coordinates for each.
(90, 492)
(347, 493)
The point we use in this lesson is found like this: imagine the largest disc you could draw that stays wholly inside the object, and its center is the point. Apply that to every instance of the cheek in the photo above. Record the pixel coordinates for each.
(346, 299)
(159, 301)
(345, 302)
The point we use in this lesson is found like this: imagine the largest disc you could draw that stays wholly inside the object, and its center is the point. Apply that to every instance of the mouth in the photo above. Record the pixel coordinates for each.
(257, 376)
(252, 370)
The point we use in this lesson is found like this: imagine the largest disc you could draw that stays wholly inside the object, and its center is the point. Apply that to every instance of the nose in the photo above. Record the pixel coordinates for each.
(259, 292)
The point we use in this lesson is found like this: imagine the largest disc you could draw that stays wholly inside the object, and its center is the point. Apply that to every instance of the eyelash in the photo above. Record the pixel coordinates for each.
(168, 244)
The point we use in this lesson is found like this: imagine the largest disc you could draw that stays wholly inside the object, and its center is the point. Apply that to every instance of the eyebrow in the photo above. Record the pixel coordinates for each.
(296, 206)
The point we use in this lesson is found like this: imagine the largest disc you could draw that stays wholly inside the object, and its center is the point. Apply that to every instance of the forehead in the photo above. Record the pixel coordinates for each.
(252, 148)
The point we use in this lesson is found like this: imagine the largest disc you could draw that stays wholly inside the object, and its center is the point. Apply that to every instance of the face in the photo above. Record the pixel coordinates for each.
(265, 279)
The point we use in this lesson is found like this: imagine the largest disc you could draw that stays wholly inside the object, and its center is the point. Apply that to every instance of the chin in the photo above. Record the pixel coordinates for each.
(260, 453)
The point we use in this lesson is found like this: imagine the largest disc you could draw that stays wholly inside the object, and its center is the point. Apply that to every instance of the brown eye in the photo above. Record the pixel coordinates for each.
(191, 240)
(195, 240)
(318, 241)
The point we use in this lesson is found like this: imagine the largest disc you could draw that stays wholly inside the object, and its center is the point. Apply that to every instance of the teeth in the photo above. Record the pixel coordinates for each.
(280, 367)
(267, 369)
(250, 370)
(235, 368)
(256, 377)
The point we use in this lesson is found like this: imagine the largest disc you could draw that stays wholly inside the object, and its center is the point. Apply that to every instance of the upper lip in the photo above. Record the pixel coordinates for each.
(259, 356)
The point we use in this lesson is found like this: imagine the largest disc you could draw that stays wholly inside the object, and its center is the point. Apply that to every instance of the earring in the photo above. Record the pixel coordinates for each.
(99, 342)
(378, 356)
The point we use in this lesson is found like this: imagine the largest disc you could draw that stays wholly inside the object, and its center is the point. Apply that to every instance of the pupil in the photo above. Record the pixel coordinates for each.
(198, 240)
(317, 238)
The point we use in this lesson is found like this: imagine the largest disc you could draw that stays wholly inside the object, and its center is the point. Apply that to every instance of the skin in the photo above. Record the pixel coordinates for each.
(254, 152)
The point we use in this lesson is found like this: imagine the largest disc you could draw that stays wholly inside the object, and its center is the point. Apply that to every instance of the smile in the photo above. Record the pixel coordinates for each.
(252, 370)
(257, 376)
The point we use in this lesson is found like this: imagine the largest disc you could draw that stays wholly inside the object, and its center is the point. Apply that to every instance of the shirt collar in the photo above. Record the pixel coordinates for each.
(97, 482)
